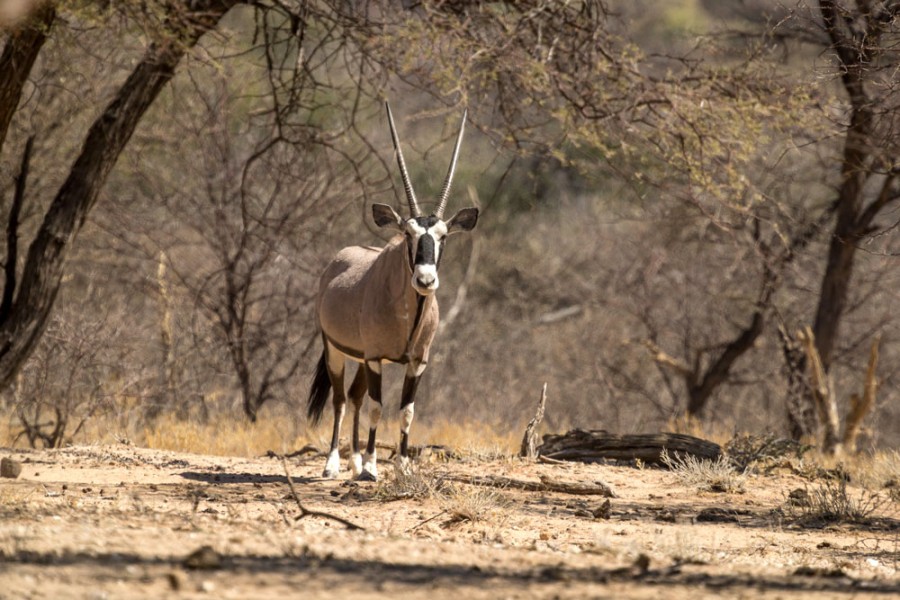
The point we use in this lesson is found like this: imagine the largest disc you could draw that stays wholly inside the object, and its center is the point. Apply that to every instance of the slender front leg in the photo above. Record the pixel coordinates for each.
(408, 411)
(335, 365)
(370, 460)
(356, 394)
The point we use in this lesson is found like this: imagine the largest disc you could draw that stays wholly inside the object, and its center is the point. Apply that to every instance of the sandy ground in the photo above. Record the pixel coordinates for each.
(123, 522)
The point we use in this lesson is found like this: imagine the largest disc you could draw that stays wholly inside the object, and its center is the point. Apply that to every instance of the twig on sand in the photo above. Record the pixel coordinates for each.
(307, 449)
(429, 519)
(305, 512)
(546, 484)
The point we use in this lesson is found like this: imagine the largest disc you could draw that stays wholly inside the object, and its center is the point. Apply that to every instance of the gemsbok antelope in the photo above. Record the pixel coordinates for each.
(378, 306)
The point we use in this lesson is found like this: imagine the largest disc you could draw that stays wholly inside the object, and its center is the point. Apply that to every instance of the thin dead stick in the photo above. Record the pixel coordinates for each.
(420, 523)
(823, 393)
(546, 484)
(307, 449)
(305, 512)
(861, 406)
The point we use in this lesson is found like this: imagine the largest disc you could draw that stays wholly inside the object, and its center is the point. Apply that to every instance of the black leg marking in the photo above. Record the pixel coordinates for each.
(373, 381)
(356, 393)
(339, 401)
(370, 445)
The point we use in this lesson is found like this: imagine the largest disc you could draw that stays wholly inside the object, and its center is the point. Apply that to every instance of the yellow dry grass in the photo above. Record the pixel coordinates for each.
(228, 433)
(468, 437)
(221, 435)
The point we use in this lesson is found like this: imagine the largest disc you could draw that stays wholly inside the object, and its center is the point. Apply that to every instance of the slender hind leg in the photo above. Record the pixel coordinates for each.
(335, 364)
(373, 382)
(356, 394)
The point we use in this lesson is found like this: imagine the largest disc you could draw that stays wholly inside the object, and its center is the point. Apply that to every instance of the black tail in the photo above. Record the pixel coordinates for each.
(318, 392)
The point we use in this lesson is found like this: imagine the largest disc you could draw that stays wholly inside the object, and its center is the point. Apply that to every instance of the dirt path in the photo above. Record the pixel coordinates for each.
(122, 522)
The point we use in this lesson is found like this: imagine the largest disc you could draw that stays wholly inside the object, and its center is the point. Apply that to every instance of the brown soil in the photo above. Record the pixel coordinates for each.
(123, 522)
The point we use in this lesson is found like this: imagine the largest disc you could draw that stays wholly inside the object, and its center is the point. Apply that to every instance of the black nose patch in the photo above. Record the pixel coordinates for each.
(425, 251)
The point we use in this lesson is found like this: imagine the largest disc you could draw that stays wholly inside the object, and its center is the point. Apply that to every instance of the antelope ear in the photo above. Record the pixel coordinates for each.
(464, 220)
(387, 217)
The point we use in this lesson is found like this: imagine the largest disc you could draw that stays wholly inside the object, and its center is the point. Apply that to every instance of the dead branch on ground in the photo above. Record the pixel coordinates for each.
(546, 484)
(305, 512)
(598, 445)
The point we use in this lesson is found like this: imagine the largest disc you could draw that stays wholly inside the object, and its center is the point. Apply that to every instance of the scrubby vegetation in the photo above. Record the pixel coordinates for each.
(665, 195)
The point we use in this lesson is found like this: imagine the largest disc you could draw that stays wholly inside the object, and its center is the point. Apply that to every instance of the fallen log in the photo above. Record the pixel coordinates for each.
(597, 445)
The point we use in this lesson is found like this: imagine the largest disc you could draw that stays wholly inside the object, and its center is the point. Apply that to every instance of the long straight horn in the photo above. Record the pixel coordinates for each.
(445, 191)
(407, 184)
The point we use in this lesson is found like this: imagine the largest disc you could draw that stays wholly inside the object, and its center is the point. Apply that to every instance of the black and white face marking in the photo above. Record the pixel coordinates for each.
(425, 242)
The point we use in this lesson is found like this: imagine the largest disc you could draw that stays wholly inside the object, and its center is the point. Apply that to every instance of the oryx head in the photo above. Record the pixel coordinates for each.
(425, 236)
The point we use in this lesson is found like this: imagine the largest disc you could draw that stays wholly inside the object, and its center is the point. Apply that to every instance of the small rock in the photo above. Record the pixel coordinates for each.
(666, 516)
(807, 571)
(641, 563)
(203, 558)
(798, 497)
(10, 468)
(603, 511)
(176, 581)
(716, 515)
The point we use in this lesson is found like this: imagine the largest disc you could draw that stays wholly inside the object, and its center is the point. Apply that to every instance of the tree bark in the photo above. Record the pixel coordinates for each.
(854, 59)
(19, 53)
(103, 144)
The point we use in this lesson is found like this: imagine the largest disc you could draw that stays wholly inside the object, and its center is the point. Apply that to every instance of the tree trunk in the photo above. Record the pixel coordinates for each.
(103, 144)
(854, 61)
(19, 53)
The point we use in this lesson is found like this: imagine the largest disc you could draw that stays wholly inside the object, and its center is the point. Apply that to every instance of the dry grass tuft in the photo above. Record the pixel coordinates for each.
(761, 452)
(419, 481)
(459, 501)
(471, 439)
(832, 501)
(472, 504)
(713, 476)
(879, 471)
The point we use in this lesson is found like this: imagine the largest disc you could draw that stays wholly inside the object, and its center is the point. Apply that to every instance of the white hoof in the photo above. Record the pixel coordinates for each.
(356, 465)
(332, 465)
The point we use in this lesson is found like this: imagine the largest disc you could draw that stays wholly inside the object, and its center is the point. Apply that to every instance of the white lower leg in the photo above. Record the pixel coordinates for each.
(371, 458)
(406, 419)
(333, 464)
(356, 463)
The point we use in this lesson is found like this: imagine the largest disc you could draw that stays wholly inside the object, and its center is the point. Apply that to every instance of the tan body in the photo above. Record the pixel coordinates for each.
(367, 309)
